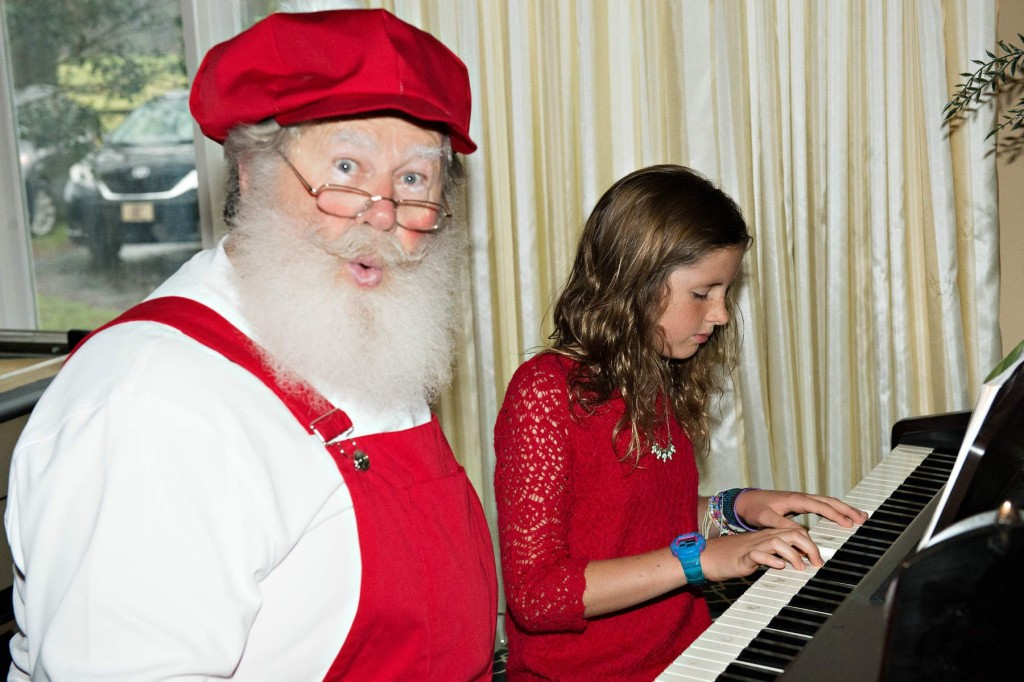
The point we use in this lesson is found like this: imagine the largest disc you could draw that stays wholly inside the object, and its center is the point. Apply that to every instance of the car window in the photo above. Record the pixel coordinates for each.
(161, 121)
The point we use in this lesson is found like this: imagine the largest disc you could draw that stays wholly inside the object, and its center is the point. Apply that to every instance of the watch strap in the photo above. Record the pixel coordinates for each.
(687, 548)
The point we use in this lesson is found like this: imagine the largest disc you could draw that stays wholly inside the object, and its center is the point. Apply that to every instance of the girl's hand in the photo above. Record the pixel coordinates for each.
(772, 509)
(737, 556)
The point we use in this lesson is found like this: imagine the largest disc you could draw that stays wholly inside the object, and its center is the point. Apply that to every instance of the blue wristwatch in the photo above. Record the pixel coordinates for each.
(687, 548)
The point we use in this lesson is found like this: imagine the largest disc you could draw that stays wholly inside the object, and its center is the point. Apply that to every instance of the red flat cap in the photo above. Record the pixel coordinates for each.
(297, 67)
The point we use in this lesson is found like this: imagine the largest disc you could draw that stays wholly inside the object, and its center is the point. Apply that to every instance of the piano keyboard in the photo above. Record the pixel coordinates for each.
(766, 627)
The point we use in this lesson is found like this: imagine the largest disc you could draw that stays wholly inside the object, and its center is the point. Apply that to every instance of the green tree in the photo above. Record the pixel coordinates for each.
(113, 40)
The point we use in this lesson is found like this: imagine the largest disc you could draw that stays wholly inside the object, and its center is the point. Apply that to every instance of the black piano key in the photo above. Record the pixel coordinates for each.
(835, 575)
(925, 482)
(936, 467)
(767, 657)
(782, 640)
(852, 556)
(911, 496)
(797, 621)
(896, 505)
(878, 533)
(892, 506)
(823, 590)
(900, 506)
(858, 570)
(918, 485)
(866, 545)
(811, 603)
(886, 518)
(737, 672)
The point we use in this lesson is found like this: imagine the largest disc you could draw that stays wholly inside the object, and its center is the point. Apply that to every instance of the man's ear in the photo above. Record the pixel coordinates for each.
(243, 176)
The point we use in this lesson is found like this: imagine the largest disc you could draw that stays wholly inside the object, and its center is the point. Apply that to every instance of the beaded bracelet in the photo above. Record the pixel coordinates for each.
(715, 514)
(722, 512)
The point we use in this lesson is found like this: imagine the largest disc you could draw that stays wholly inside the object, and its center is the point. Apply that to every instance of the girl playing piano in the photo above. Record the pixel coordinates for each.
(604, 539)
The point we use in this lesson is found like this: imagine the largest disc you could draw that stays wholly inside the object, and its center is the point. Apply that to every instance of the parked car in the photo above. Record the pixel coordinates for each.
(53, 132)
(140, 185)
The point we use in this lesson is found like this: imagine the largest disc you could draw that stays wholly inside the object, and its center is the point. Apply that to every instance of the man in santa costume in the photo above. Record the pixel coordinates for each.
(241, 478)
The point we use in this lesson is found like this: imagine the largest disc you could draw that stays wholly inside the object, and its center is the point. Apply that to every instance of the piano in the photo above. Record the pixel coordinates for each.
(831, 622)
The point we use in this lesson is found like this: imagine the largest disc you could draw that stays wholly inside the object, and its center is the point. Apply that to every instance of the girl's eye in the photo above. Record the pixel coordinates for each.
(700, 297)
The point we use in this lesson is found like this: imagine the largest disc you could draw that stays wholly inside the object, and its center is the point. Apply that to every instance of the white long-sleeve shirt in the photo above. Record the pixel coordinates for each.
(170, 520)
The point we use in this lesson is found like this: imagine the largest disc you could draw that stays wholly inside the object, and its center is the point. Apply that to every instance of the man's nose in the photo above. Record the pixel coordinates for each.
(382, 214)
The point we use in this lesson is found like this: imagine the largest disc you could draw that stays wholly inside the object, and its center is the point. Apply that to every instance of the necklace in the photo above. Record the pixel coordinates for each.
(664, 454)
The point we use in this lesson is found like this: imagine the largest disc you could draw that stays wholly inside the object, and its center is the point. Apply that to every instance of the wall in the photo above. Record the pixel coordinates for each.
(1010, 22)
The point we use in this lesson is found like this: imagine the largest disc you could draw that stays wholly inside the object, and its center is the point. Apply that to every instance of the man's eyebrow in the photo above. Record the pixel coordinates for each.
(430, 152)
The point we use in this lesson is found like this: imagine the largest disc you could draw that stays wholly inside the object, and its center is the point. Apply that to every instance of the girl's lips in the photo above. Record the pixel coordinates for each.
(365, 273)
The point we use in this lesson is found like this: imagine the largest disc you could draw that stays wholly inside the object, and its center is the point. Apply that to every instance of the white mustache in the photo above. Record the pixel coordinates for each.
(362, 241)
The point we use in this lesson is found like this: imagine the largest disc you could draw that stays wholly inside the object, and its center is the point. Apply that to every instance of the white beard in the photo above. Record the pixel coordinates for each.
(389, 347)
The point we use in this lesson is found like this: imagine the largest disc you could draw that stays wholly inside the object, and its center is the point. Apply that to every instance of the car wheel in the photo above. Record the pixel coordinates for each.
(42, 212)
(104, 246)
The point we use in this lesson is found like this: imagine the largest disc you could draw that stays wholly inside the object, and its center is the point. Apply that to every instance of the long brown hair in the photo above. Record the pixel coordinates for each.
(606, 317)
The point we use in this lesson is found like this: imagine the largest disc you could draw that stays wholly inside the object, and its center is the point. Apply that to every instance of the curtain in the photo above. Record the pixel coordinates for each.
(872, 290)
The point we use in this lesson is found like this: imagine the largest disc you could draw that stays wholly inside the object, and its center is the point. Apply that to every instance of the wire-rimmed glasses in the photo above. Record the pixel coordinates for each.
(350, 202)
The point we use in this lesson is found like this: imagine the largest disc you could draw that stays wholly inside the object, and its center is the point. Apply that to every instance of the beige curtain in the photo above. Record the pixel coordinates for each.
(871, 293)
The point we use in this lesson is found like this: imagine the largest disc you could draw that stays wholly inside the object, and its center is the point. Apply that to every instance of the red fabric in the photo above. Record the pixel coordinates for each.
(428, 596)
(565, 499)
(428, 603)
(304, 66)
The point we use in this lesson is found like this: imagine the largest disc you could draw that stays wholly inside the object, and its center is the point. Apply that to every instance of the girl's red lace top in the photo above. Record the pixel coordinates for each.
(564, 498)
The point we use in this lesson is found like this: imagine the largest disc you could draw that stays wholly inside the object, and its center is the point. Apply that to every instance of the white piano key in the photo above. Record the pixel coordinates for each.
(766, 599)
(798, 576)
(729, 650)
(826, 552)
(780, 581)
(680, 674)
(747, 612)
(727, 634)
(694, 667)
(832, 538)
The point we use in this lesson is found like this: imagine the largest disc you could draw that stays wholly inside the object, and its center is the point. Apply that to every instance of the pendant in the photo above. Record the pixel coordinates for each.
(663, 453)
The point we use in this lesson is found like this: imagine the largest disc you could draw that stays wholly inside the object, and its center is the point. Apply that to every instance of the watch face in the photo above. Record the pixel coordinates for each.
(688, 542)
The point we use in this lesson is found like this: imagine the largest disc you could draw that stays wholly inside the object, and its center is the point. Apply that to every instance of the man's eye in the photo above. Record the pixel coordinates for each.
(412, 179)
(346, 166)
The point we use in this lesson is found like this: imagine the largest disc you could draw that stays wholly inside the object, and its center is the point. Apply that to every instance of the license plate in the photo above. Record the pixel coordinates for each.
(137, 212)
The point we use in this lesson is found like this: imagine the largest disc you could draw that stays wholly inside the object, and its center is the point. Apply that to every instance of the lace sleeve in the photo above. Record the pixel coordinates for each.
(543, 584)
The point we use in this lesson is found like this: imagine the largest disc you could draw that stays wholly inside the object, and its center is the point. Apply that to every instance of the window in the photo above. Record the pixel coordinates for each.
(110, 195)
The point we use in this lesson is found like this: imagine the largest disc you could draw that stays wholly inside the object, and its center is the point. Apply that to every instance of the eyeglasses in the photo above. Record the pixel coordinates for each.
(350, 202)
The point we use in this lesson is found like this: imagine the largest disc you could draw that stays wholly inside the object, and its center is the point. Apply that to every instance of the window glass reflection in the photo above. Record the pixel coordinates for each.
(105, 150)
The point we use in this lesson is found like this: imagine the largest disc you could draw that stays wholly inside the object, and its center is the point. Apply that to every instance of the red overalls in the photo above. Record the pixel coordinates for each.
(428, 598)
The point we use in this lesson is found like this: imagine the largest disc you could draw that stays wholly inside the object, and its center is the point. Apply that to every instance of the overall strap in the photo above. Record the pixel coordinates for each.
(200, 322)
